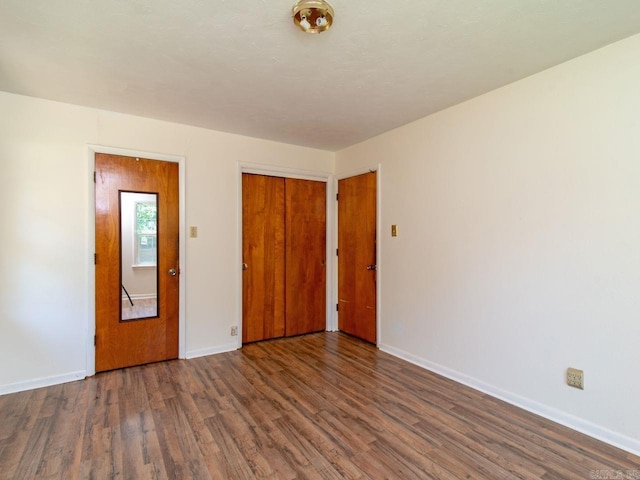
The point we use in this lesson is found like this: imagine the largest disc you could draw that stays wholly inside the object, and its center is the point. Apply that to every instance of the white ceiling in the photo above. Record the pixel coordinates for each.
(241, 66)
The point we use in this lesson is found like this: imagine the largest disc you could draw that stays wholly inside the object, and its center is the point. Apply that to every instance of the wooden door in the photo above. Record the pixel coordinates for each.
(357, 256)
(284, 255)
(263, 253)
(305, 206)
(122, 343)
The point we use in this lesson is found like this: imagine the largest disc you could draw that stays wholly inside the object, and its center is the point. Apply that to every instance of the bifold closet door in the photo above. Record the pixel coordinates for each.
(263, 253)
(284, 255)
(305, 246)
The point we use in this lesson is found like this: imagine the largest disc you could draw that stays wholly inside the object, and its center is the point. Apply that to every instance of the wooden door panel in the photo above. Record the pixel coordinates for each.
(263, 251)
(356, 255)
(305, 256)
(126, 343)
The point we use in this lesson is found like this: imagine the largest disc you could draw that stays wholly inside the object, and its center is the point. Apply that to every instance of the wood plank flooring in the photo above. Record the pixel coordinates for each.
(320, 406)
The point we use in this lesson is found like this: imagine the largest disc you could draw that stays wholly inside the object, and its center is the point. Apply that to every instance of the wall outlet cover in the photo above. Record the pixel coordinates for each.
(575, 378)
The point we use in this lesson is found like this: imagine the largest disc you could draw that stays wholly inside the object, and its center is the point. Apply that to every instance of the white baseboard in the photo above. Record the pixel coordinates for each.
(42, 382)
(598, 432)
(229, 347)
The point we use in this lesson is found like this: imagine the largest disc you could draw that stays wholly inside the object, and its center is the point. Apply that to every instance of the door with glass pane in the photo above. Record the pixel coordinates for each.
(137, 231)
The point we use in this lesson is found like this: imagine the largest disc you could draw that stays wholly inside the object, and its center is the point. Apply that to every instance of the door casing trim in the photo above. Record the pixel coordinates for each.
(91, 244)
(284, 172)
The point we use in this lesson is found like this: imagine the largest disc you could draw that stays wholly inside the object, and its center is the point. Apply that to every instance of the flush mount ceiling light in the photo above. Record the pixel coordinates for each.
(313, 16)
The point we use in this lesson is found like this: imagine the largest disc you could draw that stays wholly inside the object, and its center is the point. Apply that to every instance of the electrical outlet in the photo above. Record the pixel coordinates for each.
(234, 331)
(575, 378)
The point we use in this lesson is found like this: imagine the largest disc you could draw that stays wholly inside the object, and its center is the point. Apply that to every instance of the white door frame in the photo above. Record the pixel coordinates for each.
(91, 242)
(375, 168)
(275, 171)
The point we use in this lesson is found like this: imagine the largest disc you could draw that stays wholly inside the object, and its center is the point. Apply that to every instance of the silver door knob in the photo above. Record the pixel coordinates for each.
(172, 272)
(244, 266)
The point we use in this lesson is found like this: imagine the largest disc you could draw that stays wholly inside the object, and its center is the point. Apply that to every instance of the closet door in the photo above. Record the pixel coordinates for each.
(263, 250)
(284, 255)
(305, 277)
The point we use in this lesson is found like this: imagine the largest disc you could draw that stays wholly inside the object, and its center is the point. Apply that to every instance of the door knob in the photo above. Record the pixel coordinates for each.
(173, 272)
(372, 267)
(244, 266)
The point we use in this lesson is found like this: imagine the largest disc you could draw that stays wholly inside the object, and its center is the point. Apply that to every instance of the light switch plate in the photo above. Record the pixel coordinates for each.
(193, 232)
(394, 230)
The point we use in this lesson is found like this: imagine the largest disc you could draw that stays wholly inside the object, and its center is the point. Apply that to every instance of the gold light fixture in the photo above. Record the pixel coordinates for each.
(313, 16)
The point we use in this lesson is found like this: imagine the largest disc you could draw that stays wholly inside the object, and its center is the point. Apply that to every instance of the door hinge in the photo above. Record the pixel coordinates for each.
(337, 307)
(336, 252)
(337, 196)
(95, 258)
(95, 340)
(94, 177)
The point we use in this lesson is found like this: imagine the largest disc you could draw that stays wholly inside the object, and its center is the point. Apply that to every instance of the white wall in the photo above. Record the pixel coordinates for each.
(47, 200)
(518, 252)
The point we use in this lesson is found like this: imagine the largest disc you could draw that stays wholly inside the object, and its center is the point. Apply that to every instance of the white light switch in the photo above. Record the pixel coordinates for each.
(193, 232)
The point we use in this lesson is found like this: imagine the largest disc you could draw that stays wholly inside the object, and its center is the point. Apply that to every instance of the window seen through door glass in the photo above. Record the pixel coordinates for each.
(146, 245)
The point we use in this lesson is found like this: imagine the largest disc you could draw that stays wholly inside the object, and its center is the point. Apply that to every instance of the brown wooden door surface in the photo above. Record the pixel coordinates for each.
(263, 253)
(306, 206)
(357, 256)
(134, 342)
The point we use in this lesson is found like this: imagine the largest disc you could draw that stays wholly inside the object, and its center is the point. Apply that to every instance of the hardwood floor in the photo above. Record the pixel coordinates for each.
(318, 406)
